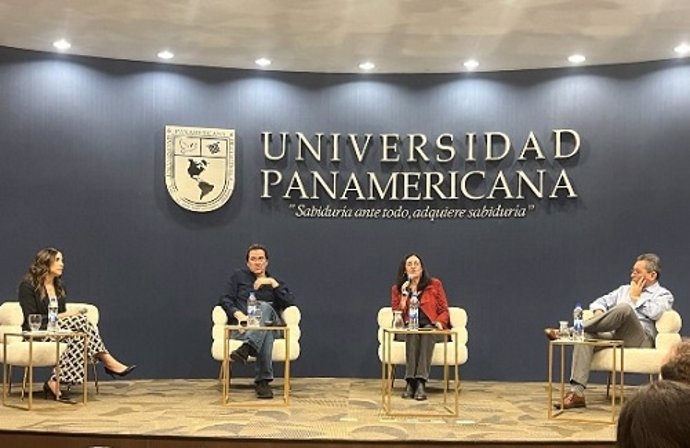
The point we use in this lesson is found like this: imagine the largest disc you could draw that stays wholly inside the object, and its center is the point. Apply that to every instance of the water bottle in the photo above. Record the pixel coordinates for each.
(578, 324)
(413, 310)
(52, 314)
(252, 311)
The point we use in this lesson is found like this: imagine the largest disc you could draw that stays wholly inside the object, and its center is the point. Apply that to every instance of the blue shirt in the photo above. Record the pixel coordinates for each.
(654, 300)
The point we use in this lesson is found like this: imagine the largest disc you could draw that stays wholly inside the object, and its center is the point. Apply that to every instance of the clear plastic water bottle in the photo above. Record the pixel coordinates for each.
(253, 317)
(578, 324)
(413, 313)
(53, 314)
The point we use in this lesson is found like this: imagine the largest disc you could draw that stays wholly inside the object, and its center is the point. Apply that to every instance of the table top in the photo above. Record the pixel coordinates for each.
(44, 333)
(595, 342)
(417, 331)
(245, 327)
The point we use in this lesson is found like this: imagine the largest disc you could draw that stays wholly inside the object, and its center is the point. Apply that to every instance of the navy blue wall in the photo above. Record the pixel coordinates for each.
(82, 169)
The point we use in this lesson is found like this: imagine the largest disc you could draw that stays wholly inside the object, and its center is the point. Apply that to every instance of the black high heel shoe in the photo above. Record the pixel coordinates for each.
(124, 373)
(48, 393)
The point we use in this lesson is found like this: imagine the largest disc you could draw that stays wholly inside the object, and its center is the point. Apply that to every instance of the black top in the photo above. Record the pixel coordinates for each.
(31, 303)
(242, 283)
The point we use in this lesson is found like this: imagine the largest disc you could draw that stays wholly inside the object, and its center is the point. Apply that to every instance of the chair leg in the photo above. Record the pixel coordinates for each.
(608, 385)
(221, 374)
(393, 378)
(95, 379)
(24, 380)
(9, 375)
(95, 376)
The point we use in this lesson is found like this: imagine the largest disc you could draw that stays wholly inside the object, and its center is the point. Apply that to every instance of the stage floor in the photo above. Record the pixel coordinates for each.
(333, 409)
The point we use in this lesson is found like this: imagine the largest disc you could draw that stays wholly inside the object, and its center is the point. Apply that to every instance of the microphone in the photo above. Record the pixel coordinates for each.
(406, 291)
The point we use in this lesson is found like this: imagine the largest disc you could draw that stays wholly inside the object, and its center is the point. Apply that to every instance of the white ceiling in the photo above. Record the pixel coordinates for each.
(399, 36)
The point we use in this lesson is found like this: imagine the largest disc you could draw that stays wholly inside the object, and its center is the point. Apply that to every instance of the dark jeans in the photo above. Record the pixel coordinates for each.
(262, 342)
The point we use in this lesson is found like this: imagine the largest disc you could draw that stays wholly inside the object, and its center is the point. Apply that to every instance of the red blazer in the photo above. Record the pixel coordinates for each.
(432, 301)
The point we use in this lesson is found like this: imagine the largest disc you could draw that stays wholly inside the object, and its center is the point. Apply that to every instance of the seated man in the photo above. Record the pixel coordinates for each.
(627, 313)
(676, 366)
(273, 296)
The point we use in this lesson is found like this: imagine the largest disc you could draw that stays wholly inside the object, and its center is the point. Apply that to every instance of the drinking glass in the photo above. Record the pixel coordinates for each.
(563, 329)
(35, 321)
(398, 323)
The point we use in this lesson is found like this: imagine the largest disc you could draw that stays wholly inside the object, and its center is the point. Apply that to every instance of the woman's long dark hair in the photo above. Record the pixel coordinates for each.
(38, 271)
(402, 275)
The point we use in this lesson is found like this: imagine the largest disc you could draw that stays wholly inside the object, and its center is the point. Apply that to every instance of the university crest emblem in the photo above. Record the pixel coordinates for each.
(199, 166)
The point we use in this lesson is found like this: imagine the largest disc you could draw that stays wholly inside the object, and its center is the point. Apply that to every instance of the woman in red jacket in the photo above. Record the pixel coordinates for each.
(414, 281)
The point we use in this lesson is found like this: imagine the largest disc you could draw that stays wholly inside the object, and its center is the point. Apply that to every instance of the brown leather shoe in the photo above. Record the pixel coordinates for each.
(572, 401)
(551, 333)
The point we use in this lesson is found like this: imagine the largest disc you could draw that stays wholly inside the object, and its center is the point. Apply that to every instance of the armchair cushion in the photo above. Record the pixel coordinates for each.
(92, 312)
(43, 354)
(11, 320)
(458, 322)
(645, 360)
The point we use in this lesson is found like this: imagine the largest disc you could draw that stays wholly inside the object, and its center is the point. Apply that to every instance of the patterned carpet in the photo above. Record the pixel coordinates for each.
(320, 408)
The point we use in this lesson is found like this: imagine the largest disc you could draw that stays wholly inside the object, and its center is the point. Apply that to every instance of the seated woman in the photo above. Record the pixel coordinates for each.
(414, 281)
(43, 282)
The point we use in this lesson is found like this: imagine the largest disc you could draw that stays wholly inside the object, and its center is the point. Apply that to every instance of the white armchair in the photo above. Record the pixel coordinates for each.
(458, 322)
(291, 316)
(44, 353)
(17, 352)
(644, 360)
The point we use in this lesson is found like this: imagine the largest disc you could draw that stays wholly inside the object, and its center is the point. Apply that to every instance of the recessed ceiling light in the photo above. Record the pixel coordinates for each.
(682, 49)
(367, 65)
(263, 62)
(576, 58)
(471, 64)
(166, 54)
(62, 45)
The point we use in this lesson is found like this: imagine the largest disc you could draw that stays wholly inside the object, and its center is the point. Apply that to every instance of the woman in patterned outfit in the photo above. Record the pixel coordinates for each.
(43, 281)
